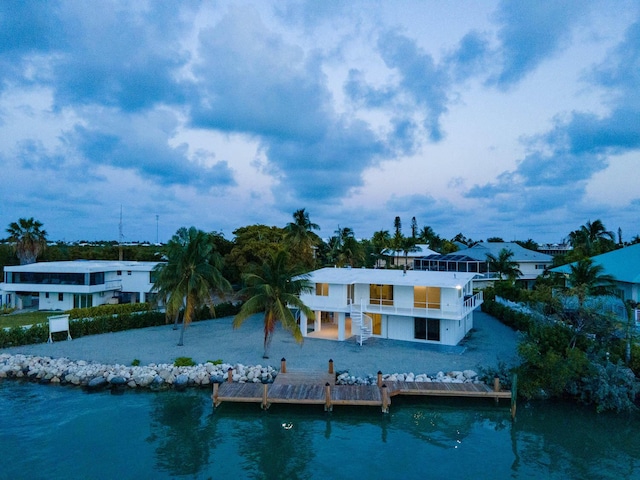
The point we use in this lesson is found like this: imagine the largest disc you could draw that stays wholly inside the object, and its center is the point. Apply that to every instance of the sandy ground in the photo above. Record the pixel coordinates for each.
(489, 342)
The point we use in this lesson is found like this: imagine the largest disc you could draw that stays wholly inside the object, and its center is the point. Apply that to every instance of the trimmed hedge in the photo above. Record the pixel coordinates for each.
(118, 309)
(510, 317)
(103, 323)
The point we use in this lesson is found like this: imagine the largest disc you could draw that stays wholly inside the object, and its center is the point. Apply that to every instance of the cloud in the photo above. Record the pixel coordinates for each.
(470, 57)
(580, 145)
(98, 52)
(250, 80)
(140, 144)
(531, 32)
(420, 79)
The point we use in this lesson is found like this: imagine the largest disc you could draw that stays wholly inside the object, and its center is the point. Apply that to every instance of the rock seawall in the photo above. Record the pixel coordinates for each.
(158, 376)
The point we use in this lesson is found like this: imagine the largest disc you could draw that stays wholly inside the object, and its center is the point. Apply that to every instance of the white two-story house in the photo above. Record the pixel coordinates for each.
(76, 284)
(417, 306)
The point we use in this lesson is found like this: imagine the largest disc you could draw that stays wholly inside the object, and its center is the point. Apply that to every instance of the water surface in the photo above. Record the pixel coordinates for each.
(54, 432)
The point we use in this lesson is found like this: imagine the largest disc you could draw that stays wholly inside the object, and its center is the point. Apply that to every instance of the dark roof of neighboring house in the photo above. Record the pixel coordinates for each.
(520, 254)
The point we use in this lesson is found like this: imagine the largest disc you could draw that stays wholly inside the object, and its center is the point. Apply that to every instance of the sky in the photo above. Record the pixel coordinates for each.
(488, 118)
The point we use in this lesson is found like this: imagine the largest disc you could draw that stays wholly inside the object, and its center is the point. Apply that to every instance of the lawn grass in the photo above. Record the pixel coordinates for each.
(28, 318)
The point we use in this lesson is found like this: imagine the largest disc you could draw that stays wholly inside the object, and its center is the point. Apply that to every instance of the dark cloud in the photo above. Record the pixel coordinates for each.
(149, 155)
(470, 56)
(531, 32)
(420, 79)
(251, 81)
(96, 52)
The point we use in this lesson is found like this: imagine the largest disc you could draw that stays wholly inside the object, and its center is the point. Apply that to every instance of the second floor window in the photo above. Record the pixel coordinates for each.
(322, 289)
(381, 294)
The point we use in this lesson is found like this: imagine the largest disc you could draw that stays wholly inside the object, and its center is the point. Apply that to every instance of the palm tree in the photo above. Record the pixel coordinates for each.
(300, 236)
(190, 276)
(586, 278)
(28, 239)
(503, 265)
(273, 290)
(380, 241)
(593, 238)
(408, 244)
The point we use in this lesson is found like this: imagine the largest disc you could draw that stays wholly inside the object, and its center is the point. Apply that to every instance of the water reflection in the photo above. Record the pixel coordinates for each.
(182, 432)
(275, 446)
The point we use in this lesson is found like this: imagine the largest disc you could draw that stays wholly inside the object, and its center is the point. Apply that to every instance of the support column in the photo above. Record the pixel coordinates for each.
(303, 324)
(143, 297)
(341, 326)
(317, 325)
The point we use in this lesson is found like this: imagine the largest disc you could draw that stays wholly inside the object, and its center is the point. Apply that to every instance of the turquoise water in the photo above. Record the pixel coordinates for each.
(53, 432)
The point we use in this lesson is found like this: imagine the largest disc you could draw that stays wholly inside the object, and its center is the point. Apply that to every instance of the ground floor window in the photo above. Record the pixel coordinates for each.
(82, 301)
(426, 329)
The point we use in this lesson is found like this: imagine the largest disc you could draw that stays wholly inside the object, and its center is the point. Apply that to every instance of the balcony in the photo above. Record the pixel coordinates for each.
(454, 311)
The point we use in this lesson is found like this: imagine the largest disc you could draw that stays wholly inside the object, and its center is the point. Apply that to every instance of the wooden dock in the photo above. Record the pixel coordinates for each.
(319, 388)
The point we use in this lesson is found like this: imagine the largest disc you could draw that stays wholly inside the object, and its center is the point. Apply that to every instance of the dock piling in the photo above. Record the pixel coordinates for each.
(327, 398)
(230, 375)
(330, 366)
(283, 365)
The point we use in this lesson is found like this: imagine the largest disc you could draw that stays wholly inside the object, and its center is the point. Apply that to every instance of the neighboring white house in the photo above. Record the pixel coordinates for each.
(76, 284)
(474, 259)
(430, 307)
(397, 258)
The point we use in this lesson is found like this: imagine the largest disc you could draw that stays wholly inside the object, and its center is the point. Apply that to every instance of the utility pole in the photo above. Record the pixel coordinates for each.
(120, 236)
(157, 217)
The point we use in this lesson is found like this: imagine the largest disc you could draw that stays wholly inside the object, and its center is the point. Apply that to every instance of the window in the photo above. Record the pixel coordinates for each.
(426, 297)
(60, 297)
(129, 272)
(82, 301)
(46, 295)
(118, 272)
(426, 329)
(540, 267)
(322, 289)
(381, 294)
(96, 278)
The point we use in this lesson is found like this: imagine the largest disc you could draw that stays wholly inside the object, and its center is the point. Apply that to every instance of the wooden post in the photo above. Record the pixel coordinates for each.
(514, 395)
(265, 404)
(496, 386)
(330, 366)
(385, 399)
(327, 397)
(230, 375)
(214, 396)
(379, 379)
(283, 365)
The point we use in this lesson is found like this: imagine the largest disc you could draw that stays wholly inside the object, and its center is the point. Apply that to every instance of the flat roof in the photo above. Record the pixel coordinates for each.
(82, 266)
(390, 277)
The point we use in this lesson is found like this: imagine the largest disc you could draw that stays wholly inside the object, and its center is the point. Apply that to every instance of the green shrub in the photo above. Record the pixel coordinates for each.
(184, 362)
(610, 387)
(215, 362)
(100, 310)
(135, 362)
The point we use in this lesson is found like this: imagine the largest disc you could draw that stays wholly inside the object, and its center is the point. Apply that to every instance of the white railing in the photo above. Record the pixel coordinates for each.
(446, 310)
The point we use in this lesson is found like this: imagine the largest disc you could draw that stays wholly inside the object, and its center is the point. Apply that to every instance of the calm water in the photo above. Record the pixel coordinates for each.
(54, 432)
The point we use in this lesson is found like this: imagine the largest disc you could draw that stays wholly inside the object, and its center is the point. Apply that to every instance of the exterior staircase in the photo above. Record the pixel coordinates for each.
(362, 322)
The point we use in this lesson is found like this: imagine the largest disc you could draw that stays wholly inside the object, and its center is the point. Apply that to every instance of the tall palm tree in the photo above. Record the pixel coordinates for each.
(274, 289)
(28, 238)
(587, 278)
(593, 238)
(503, 265)
(190, 276)
(299, 235)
